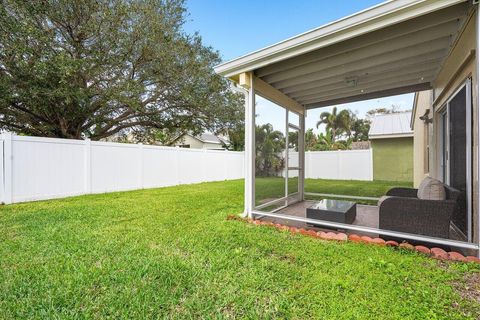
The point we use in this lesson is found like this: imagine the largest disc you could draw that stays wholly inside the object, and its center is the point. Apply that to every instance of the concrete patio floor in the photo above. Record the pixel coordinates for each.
(367, 216)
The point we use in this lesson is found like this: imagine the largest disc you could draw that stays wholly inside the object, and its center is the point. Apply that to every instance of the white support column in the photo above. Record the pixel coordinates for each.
(301, 158)
(477, 125)
(287, 154)
(250, 149)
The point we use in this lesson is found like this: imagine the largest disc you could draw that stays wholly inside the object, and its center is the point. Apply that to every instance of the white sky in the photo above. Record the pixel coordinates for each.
(267, 112)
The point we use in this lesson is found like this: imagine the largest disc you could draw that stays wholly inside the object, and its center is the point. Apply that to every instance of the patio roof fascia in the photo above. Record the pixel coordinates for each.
(371, 19)
(264, 89)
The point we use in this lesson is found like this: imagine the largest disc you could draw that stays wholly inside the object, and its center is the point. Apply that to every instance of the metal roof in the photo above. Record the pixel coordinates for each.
(395, 47)
(209, 138)
(392, 125)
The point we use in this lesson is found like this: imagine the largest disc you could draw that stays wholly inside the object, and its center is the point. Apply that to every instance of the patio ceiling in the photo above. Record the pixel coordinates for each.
(396, 47)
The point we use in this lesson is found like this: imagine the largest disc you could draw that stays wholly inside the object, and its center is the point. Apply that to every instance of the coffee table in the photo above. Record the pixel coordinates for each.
(333, 210)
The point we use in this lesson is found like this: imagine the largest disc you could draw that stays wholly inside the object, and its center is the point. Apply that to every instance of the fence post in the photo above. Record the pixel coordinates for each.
(204, 165)
(88, 166)
(371, 164)
(177, 166)
(140, 166)
(306, 165)
(7, 168)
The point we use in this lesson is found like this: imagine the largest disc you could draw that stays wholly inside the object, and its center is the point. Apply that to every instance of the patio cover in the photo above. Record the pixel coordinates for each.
(393, 48)
(396, 47)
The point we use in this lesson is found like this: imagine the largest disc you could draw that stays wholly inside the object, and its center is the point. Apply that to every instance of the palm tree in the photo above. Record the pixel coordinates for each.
(338, 123)
(310, 140)
(326, 143)
(270, 145)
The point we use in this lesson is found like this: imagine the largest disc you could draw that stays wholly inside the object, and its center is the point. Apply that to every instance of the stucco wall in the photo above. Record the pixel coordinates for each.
(393, 159)
(421, 137)
(458, 67)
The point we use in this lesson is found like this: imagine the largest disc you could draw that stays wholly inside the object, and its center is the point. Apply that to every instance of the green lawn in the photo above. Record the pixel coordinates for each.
(268, 188)
(170, 253)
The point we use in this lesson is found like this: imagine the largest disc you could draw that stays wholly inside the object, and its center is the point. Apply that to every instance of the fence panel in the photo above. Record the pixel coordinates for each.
(33, 168)
(114, 167)
(46, 168)
(322, 165)
(160, 166)
(341, 165)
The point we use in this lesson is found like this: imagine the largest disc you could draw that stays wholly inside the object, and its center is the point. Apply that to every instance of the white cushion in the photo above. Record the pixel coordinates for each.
(431, 189)
(424, 182)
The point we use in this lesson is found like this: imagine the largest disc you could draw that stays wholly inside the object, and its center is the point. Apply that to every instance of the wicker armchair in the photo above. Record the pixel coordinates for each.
(401, 210)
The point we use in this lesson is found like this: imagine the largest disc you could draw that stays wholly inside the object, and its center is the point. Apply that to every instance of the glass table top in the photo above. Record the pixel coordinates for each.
(333, 205)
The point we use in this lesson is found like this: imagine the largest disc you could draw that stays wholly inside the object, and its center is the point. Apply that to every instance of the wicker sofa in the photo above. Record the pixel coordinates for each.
(401, 210)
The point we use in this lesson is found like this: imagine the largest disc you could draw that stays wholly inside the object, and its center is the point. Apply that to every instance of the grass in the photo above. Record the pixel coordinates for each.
(170, 253)
(268, 188)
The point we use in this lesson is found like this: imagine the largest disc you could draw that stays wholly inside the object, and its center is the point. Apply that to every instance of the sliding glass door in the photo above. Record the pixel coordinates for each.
(456, 146)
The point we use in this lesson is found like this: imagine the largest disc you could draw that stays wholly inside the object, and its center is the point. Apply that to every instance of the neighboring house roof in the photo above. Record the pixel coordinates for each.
(393, 125)
(209, 138)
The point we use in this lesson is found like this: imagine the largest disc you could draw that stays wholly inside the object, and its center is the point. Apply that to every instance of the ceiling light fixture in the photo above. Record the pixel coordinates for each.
(351, 82)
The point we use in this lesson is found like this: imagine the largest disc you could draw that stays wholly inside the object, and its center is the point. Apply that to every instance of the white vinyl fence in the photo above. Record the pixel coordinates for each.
(33, 168)
(337, 165)
(341, 165)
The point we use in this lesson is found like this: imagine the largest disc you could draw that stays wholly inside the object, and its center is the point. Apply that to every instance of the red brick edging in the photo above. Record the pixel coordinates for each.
(436, 253)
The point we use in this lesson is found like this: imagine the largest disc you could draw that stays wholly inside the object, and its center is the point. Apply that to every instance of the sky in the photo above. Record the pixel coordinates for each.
(236, 28)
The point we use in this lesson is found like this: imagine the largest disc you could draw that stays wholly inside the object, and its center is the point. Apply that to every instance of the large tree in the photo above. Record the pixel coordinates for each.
(95, 68)
(359, 128)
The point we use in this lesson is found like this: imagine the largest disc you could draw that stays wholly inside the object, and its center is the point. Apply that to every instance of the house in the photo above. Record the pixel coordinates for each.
(396, 47)
(391, 139)
(202, 141)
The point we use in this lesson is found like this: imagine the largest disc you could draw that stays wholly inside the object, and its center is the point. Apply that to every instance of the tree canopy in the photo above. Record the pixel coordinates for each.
(337, 123)
(95, 68)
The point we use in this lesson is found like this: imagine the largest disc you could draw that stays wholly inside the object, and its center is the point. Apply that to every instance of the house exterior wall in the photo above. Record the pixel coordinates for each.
(421, 136)
(393, 159)
(459, 66)
(187, 140)
(196, 144)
